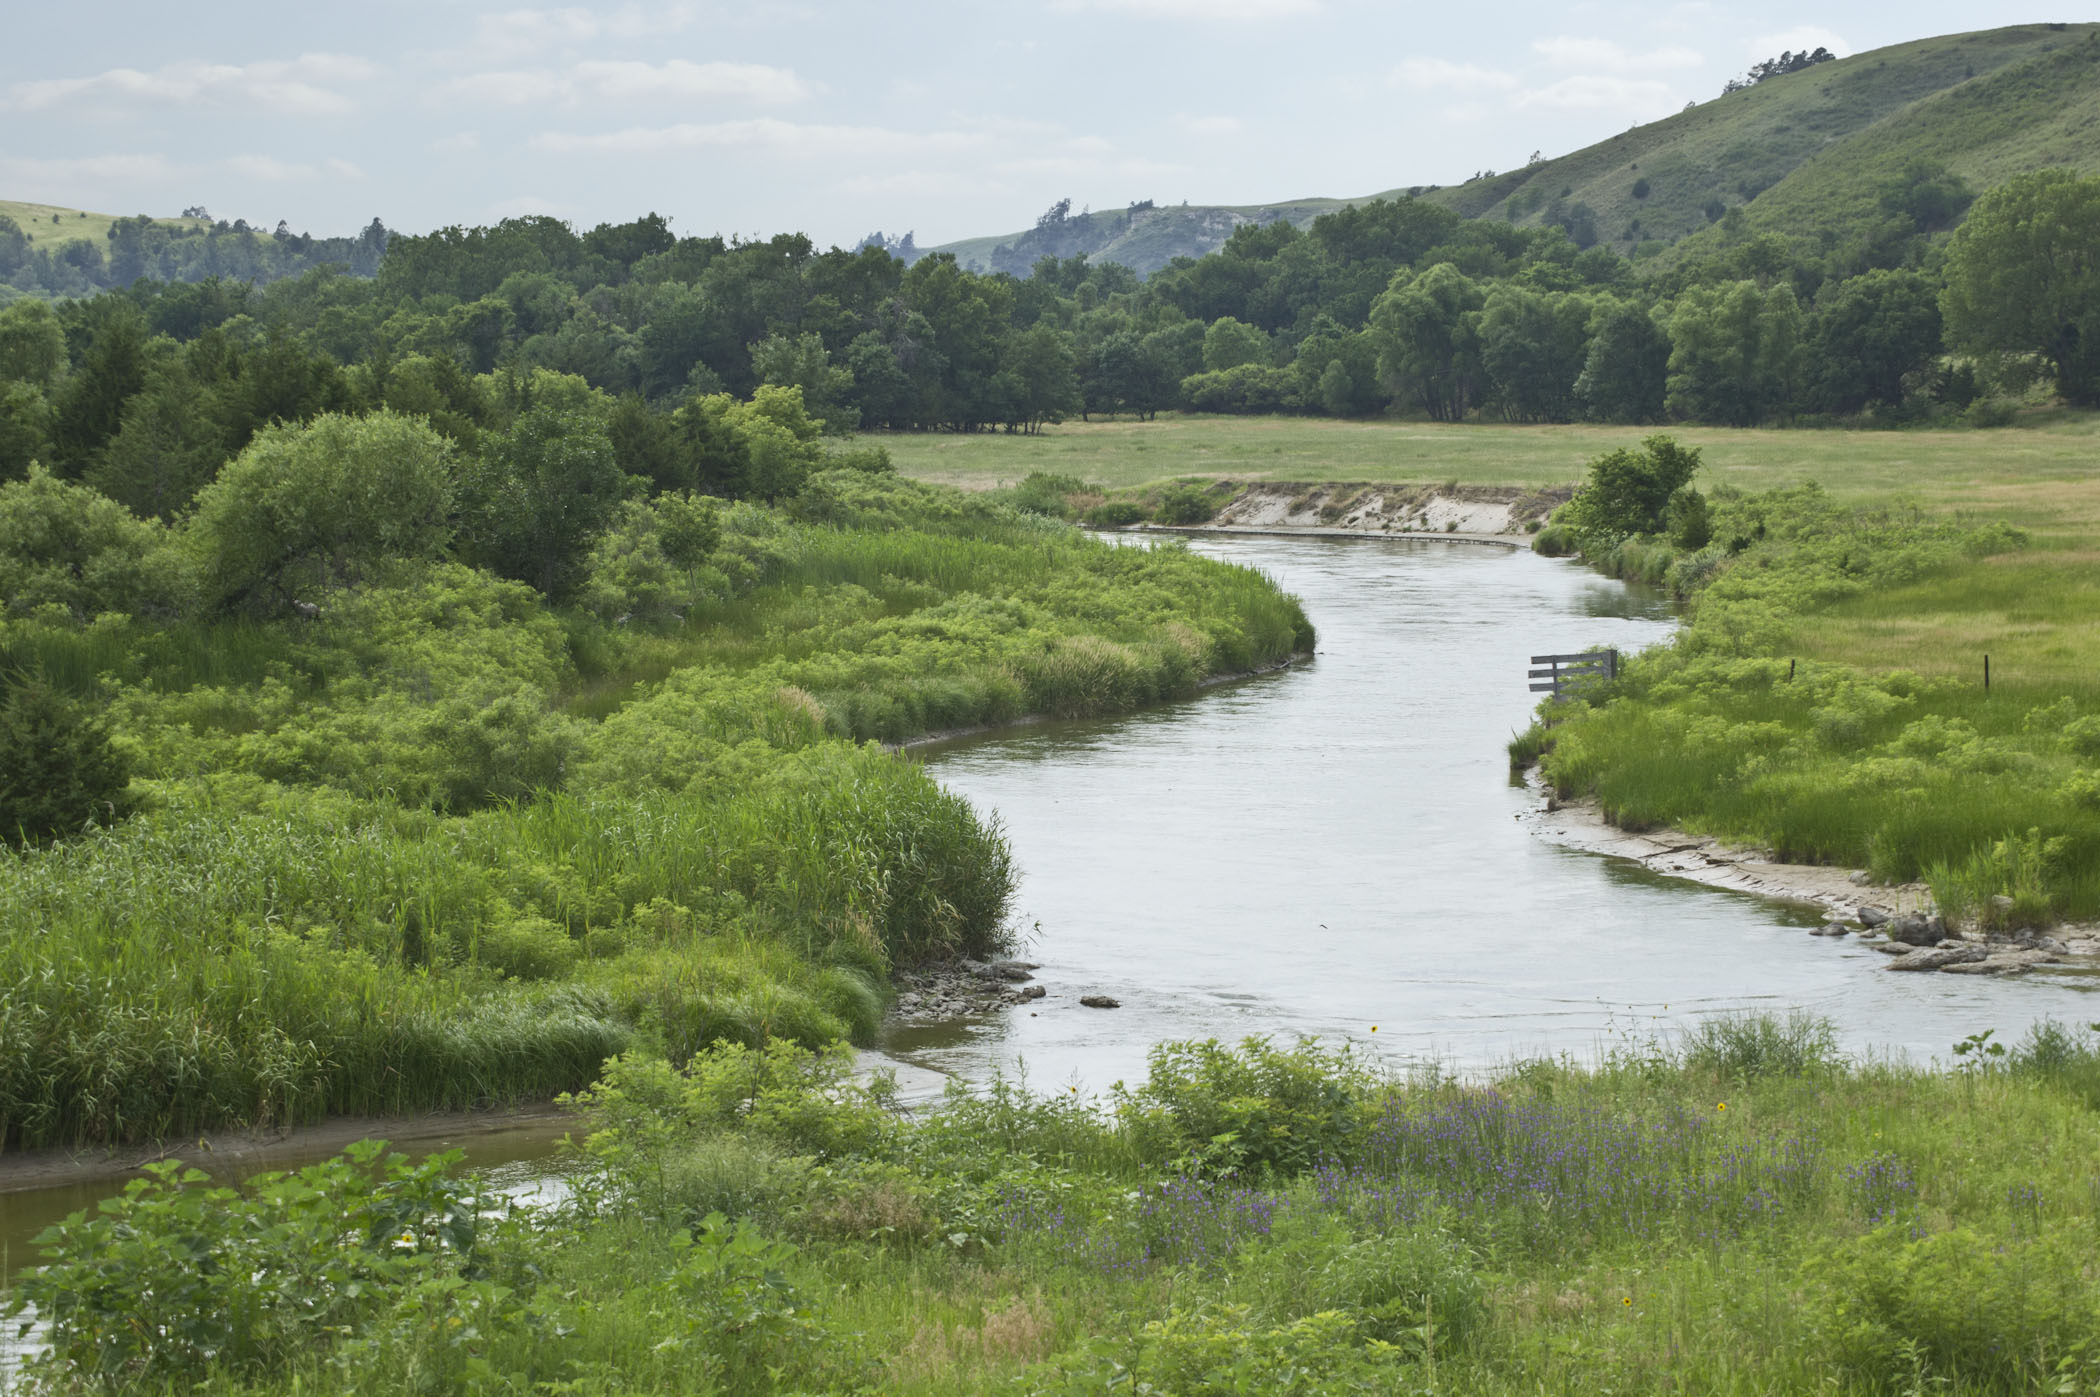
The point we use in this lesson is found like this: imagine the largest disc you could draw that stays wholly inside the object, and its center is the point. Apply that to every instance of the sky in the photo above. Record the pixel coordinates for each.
(837, 120)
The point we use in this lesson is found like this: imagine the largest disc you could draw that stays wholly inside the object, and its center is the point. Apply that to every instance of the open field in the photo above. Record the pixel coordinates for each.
(2044, 477)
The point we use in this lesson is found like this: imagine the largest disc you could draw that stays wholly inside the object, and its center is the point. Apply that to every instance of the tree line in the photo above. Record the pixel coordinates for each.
(41, 260)
(1393, 307)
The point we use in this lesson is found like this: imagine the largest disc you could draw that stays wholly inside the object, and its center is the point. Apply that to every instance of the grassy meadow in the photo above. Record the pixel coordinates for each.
(1736, 1211)
(2044, 477)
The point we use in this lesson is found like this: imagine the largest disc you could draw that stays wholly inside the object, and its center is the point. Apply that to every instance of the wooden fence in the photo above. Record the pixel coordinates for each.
(1564, 672)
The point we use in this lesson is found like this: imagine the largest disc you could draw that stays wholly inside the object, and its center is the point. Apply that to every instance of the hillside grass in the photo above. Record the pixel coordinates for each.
(1737, 1211)
(1778, 149)
(81, 224)
(1801, 155)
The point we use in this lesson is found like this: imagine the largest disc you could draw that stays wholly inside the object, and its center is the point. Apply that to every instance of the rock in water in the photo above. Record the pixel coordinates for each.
(1099, 1001)
(1871, 917)
(1034, 992)
(1915, 930)
(1938, 959)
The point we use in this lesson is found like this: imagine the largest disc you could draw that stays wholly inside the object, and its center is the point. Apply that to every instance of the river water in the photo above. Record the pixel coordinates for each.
(1335, 850)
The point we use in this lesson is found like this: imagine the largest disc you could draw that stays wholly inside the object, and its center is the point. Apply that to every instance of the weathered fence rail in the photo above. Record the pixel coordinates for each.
(1563, 672)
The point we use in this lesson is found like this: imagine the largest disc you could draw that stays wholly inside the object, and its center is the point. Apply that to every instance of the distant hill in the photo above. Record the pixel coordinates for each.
(51, 225)
(1802, 154)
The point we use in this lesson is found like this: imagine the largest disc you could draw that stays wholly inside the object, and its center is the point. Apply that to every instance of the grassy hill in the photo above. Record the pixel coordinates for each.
(1805, 153)
(1802, 154)
(36, 221)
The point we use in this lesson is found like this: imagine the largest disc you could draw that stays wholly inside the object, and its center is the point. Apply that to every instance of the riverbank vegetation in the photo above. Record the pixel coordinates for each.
(1738, 1211)
(1905, 691)
(401, 833)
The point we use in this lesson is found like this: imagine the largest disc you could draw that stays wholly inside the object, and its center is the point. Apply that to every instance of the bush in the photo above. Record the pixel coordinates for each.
(1556, 541)
(1970, 1308)
(1115, 514)
(1745, 1047)
(65, 547)
(58, 771)
(305, 509)
(1209, 1109)
(1185, 504)
(1630, 492)
(174, 1282)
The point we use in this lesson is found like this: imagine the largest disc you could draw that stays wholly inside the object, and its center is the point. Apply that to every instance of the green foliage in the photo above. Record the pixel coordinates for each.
(1115, 514)
(1207, 1108)
(1957, 1306)
(174, 1282)
(538, 496)
(67, 552)
(306, 509)
(1185, 504)
(1632, 492)
(2023, 276)
(58, 772)
(1672, 1214)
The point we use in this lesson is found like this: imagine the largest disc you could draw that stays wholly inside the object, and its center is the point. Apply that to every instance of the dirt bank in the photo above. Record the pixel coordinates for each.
(1474, 512)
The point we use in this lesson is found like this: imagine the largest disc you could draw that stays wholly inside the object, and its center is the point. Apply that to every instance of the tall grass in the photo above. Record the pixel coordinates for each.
(1740, 1211)
(1740, 730)
(438, 847)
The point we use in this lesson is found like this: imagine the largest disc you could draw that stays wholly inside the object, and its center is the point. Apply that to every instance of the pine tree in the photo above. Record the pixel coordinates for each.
(58, 771)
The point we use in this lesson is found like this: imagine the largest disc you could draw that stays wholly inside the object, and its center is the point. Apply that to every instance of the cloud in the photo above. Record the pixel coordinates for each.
(916, 182)
(303, 85)
(459, 143)
(1442, 73)
(1591, 92)
(342, 169)
(142, 169)
(628, 82)
(1805, 39)
(510, 34)
(1208, 125)
(760, 134)
(525, 205)
(264, 167)
(1219, 11)
(504, 89)
(751, 82)
(1603, 55)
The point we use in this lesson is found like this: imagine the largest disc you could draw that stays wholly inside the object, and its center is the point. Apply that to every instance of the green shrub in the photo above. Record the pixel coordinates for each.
(1556, 541)
(1221, 1349)
(175, 1282)
(1969, 1308)
(1747, 1047)
(1184, 505)
(58, 772)
(1115, 514)
(1205, 1108)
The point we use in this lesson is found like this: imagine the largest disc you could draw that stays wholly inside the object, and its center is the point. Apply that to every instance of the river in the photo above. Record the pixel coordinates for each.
(1335, 850)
